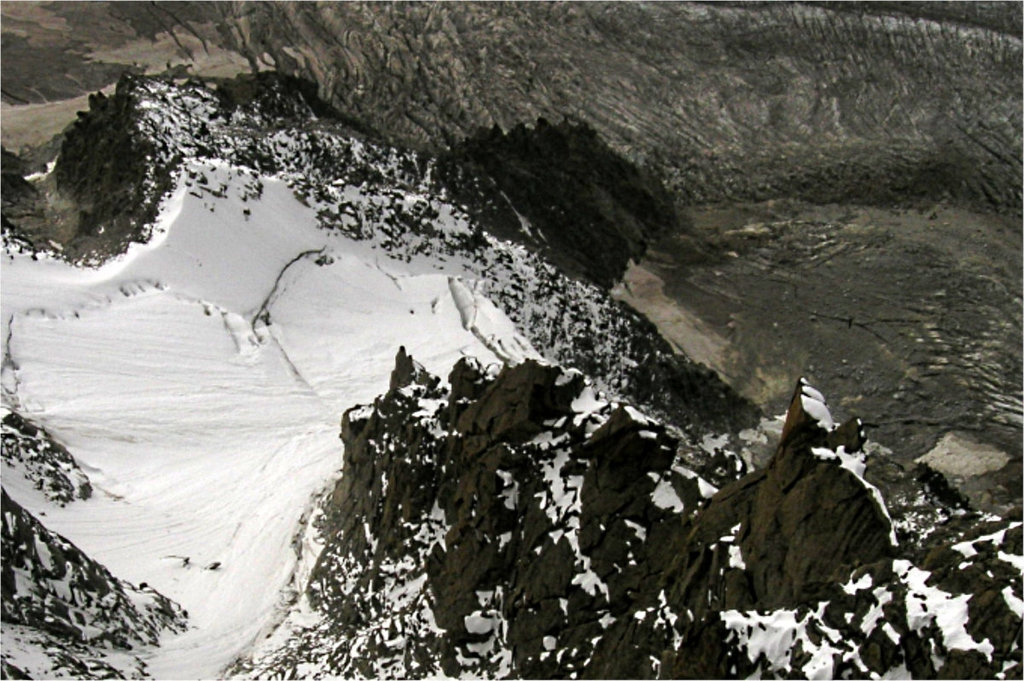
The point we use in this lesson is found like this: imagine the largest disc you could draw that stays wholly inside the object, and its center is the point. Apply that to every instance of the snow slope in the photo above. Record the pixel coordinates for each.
(199, 380)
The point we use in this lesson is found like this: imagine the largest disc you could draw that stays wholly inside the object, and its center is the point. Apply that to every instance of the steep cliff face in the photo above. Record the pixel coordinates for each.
(119, 160)
(494, 525)
(105, 167)
(513, 523)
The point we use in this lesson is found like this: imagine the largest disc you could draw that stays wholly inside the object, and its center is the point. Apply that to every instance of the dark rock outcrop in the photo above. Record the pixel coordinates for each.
(805, 521)
(117, 163)
(44, 462)
(19, 200)
(117, 160)
(112, 176)
(518, 525)
(51, 586)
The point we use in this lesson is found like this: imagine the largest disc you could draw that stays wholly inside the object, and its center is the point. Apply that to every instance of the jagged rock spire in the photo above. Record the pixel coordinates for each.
(408, 371)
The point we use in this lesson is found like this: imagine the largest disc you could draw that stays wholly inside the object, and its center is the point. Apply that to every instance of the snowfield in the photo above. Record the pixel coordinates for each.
(199, 381)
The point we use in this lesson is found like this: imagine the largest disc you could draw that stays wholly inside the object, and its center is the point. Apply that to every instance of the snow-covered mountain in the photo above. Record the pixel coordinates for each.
(199, 376)
(211, 274)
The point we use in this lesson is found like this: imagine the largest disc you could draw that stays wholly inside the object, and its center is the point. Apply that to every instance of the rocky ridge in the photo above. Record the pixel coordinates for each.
(30, 452)
(587, 209)
(66, 613)
(512, 522)
(498, 187)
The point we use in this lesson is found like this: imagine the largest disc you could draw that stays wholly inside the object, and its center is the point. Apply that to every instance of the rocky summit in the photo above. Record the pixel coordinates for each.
(512, 522)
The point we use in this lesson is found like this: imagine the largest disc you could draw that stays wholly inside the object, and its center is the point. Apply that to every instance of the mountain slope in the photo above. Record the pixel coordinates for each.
(226, 439)
(905, 116)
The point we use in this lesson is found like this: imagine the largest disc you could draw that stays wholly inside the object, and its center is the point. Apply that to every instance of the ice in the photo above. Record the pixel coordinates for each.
(637, 416)
(510, 491)
(735, 553)
(736, 558)
(487, 323)
(775, 635)
(1015, 604)
(817, 410)
(45, 558)
(587, 402)
(966, 548)
(562, 491)
(1014, 560)
(566, 377)
(809, 390)
(712, 443)
(771, 635)
(665, 497)
(478, 623)
(639, 530)
(591, 583)
(876, 612)
(853, 587)
(547, 439)
(707, 490)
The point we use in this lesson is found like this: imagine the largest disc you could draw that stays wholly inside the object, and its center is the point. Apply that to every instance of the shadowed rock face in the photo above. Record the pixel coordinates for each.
(20, 198)
(805, 522)
(109, 172)
(519, 525)
(587, 208)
